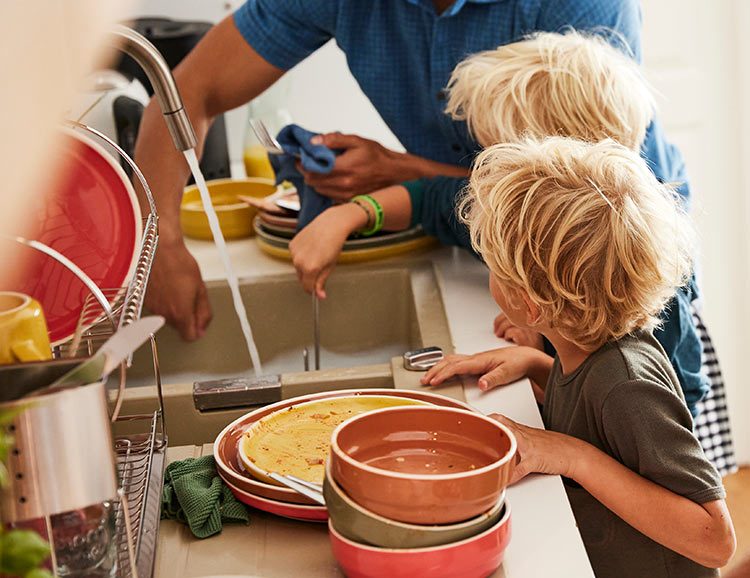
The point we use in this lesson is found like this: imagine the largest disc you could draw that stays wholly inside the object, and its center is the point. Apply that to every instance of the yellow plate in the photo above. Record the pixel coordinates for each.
(296, 440)
(359, 255)
(235, 216)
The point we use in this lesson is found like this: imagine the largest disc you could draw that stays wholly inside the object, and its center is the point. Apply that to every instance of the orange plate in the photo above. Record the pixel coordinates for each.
(226, 445)
(301, 512)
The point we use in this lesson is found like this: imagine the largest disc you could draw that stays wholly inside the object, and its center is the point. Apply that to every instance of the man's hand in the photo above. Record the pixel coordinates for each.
(504, 329)
(364, 166)
(496, 367)
(176, 291)
(316, 248)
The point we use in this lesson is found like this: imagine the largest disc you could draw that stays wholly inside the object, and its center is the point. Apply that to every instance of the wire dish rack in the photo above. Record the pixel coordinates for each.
(140, 457)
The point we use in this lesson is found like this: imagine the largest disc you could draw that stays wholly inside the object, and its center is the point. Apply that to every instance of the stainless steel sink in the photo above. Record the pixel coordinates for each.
(370, 316)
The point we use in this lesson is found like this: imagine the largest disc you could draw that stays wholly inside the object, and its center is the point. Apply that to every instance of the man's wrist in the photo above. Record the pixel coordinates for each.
(170, 237)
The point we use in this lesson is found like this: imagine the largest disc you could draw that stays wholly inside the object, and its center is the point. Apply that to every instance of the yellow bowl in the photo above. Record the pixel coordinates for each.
(235, 216)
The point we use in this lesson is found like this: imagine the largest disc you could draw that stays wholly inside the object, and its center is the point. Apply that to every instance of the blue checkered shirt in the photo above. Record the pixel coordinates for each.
(402, 54)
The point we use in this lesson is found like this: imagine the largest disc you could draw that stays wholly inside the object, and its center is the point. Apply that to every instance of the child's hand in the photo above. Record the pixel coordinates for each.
(540, 451)
(504, 329)
(316, 248)
(496, 367)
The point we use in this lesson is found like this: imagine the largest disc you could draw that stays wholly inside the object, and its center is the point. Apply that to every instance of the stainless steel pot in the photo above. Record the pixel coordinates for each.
(62, 457)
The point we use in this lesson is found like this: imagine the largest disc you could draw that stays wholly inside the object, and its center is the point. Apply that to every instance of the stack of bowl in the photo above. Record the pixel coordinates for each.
(254, 489)
(419, 491)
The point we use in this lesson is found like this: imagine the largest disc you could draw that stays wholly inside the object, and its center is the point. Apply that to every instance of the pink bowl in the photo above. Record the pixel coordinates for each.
(423, 465)
(226, 445)
(475, 557)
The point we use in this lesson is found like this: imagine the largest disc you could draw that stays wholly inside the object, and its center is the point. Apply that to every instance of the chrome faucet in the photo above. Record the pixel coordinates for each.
(160, 76)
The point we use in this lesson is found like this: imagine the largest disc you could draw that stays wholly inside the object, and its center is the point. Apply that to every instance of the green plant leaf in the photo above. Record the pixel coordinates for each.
(39, 573)
(22, 551)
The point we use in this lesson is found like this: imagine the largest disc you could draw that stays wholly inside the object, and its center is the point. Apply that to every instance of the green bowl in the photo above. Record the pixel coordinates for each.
(360, 525)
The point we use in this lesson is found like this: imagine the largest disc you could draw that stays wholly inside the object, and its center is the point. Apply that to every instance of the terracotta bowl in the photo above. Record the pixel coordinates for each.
(423, 465)
(226, 445)
(360, 525)
(475, 557)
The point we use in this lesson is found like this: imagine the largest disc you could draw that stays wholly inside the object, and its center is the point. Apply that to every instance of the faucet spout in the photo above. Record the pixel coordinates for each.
(160, 76)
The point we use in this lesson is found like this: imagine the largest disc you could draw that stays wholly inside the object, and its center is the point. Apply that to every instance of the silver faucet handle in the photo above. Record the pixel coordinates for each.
(423, 359)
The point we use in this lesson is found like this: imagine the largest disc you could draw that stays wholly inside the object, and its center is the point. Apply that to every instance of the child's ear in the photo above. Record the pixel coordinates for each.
(532, 311)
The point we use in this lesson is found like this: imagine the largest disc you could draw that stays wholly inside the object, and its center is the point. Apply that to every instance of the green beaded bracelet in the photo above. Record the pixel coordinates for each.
(379, 215)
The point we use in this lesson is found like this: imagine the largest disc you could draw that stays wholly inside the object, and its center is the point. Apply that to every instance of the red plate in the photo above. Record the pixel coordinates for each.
(92, 217)
(300, 512)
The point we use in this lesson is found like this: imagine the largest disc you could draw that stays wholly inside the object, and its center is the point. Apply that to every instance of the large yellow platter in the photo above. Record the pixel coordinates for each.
(296, 440)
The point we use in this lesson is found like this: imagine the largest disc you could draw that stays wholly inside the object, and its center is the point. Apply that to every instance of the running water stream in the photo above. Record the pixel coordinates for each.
(221, 245)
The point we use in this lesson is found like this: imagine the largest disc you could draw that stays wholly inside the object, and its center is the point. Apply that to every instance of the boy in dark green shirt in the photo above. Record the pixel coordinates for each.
(585, 247)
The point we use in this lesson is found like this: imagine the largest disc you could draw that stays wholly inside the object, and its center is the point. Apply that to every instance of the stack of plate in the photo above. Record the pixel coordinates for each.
(271, 438)
(274, 232)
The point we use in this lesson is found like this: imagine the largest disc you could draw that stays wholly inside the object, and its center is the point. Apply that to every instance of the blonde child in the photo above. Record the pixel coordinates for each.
(571, 84)
(586, 247)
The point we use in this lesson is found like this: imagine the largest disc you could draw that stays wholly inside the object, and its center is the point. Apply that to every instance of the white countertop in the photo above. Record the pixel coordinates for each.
(545, 542)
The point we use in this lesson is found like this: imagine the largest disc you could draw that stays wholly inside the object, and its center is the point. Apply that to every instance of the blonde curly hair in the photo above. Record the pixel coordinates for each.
(585, 229)
(570, 84)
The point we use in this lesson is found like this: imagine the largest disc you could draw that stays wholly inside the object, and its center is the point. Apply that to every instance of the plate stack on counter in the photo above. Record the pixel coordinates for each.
(414, 482)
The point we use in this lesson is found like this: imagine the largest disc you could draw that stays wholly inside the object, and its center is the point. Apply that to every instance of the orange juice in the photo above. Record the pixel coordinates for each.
(257, 163)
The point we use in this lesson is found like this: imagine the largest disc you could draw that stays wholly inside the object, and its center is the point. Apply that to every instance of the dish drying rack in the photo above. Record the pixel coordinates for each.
(140, 457)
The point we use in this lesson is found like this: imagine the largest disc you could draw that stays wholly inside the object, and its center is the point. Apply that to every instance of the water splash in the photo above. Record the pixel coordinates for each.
(234, 286)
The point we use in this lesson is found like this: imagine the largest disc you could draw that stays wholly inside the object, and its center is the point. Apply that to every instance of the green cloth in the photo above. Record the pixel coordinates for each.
(195, 495)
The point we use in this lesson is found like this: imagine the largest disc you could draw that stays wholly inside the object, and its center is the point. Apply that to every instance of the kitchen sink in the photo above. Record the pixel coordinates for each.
(372, 315)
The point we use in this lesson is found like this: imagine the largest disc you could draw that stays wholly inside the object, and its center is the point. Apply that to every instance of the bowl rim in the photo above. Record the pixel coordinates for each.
(341, 454)
(254, 470)
(343, 496)
(504, 519)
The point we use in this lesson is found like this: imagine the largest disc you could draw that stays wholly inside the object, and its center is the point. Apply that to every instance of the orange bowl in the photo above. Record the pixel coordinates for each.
(474, 557)
(423, 465)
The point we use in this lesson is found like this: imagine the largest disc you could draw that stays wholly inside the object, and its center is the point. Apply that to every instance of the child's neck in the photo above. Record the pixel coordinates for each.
(571, 356)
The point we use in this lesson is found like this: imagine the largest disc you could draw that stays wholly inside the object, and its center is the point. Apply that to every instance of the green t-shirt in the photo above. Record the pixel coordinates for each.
(626, 401)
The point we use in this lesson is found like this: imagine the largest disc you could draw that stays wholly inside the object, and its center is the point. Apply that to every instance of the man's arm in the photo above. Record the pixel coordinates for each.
(221, 73)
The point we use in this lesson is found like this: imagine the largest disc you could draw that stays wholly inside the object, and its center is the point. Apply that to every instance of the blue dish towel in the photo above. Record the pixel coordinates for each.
(295, 141)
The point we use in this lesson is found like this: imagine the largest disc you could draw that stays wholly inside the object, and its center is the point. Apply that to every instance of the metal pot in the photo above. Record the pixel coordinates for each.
(62, 457)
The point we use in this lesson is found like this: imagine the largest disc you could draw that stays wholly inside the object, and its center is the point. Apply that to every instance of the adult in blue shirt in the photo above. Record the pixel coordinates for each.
(401, 53)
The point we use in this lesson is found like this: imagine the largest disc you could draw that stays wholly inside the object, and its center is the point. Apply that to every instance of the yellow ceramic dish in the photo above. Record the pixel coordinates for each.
(296, 440)
(235, 216)
(23, 329)
(359, 255)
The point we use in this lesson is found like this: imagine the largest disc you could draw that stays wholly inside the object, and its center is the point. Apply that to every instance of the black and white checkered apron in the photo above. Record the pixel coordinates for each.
(712, 424)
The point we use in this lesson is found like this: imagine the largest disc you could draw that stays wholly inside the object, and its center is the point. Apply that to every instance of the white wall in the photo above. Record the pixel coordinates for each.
(692, 55)
(698, 56)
